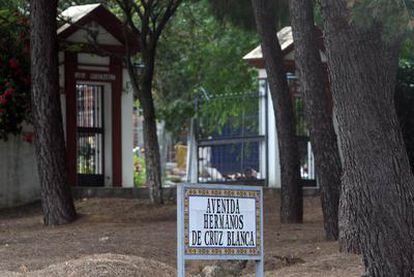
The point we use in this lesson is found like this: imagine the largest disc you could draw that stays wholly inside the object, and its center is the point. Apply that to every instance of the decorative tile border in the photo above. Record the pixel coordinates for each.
(221, 250)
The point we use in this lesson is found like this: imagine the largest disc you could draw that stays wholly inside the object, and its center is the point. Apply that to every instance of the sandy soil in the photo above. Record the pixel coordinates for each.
(101, 265)
(119, 237)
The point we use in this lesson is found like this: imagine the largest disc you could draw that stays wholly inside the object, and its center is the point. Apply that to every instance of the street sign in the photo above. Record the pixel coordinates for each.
(219, 222)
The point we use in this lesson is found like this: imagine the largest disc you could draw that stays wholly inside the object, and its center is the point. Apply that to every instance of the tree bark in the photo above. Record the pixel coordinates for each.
(378, 184)
(291, 210)
(152, 148)
(142, 86)
(318, 111)
(153, 17)
(57, 202)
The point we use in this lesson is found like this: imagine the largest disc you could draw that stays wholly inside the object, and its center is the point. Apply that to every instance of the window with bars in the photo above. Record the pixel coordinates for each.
(90, 134)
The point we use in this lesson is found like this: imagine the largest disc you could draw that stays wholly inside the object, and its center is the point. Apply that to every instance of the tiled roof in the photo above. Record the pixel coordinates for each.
(75, 13)
(285, 39)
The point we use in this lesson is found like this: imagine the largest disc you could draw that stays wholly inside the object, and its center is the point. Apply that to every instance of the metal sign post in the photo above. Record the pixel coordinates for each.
(218, 222)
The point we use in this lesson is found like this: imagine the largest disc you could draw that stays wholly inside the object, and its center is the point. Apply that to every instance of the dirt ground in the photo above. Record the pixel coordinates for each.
(124, 237)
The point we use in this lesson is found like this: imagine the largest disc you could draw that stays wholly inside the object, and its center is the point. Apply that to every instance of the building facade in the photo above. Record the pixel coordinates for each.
(97, 109)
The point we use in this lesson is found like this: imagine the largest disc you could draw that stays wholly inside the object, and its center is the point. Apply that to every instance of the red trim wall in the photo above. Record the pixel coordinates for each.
(71, 68)
(116, 69)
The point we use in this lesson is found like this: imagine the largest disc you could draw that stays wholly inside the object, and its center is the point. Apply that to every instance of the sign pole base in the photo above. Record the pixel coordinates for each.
(181, 268)
(260, 268)
(180, 233)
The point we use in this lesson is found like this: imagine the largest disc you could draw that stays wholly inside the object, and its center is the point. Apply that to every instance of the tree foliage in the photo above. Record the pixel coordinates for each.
(14, 72)
(12, 5)
(147, 20)
(200, 53)
(240, 12)
(394, 16)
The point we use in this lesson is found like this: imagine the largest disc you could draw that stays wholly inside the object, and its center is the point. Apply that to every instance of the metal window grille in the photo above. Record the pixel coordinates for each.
(90, 134)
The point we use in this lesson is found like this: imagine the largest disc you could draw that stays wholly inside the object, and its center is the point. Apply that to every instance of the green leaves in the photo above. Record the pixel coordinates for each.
(14, 72)
(240, 12)
(196, 52)
(393, 15)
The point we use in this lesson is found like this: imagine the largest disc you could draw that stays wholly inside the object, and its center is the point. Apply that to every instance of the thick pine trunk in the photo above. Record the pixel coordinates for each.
(57, 202)
(291, 210)
(318, 113)
(378, 185)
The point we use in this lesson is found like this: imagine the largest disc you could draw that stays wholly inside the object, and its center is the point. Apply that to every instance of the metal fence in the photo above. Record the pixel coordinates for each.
(232, 133)
(231, 143)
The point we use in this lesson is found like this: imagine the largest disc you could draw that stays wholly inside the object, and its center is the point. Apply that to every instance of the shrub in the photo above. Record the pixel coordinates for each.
(14, 73)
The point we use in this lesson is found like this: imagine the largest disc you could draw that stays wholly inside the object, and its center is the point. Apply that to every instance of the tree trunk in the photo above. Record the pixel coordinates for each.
(142, 86)
(378, 184)
(57, 202)
(152, 19)
(318, 111)
(152, 151)
(291, 210)
(152, 148)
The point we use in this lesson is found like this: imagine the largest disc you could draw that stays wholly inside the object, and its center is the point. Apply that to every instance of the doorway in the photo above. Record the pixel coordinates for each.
(90, 134)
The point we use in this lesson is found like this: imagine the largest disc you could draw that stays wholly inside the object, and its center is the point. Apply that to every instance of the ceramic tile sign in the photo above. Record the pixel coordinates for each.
(219, 222)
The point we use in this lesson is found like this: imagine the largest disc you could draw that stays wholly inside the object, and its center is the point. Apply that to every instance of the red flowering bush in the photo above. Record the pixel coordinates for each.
(14, 73)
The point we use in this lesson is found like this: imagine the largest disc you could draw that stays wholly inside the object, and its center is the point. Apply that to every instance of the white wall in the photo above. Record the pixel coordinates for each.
(19, 183)
(273, 147)
(107, 134)
(274, 179)
(126, 117)
(127, 133)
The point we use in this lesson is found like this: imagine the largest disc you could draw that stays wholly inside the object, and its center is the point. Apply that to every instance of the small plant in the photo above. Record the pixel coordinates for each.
(139, 171)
